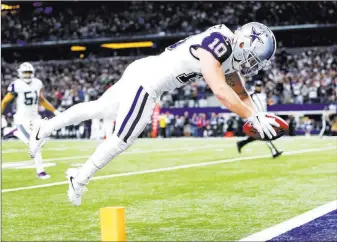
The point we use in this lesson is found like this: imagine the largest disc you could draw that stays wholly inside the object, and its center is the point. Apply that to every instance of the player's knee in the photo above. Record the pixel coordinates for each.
(118, 143)
(108, 150)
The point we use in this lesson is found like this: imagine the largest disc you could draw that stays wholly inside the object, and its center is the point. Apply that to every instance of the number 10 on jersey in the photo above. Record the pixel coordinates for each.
(218, 48)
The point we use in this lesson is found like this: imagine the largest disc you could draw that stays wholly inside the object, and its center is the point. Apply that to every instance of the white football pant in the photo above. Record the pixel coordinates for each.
(22, 132)
(126, 102)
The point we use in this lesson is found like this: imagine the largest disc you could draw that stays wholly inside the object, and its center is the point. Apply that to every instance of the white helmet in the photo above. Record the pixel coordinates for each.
(253, 46)
(26, 72)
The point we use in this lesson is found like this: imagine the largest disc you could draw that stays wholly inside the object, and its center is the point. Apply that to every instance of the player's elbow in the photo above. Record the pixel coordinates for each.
(225, 99)
(220, 96)
(42, 101)
(220, 92)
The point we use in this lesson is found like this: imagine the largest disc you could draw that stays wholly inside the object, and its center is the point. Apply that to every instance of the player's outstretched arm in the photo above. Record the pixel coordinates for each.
(236, 82)
(215, 78)
(7, 99)
(47, 105)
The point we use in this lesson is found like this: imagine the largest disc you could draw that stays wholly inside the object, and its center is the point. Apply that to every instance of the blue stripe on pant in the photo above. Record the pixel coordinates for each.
(137, 118)
(130, 111)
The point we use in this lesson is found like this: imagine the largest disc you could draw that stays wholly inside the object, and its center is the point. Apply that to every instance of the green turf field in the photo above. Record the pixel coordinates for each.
(197, 199)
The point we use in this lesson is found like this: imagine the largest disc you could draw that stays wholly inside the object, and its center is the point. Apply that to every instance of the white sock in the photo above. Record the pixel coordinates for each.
(38, 163)
(104, 153)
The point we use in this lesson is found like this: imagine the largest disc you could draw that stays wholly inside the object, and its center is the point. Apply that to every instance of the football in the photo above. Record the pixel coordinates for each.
(280, 131)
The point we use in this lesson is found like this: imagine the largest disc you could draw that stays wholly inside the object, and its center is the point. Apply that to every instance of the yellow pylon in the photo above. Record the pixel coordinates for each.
(112, 224)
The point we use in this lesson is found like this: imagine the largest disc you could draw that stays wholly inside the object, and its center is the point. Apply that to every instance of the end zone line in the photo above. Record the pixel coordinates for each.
(208, 163)
(276, 230)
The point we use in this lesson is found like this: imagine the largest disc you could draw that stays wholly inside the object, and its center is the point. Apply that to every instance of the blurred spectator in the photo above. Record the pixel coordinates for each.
(202, 124)
(194, 125)
(162, 125)
(334, 127)
(169, 124)
(178, 126)
(292, 125)
(213, 125)
(187, 126)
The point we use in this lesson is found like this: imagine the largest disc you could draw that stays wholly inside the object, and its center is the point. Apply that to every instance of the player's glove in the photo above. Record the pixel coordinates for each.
(263, 124)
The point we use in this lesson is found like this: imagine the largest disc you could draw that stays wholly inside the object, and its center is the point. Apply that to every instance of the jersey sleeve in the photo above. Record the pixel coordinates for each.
(218, 45)
(12, 88)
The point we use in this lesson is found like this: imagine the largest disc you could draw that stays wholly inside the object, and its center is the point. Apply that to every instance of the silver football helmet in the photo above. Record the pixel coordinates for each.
(253, 46)
(26, 72)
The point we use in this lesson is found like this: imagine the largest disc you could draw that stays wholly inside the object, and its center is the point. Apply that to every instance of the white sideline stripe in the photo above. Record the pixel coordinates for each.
(9, 151)
(136, 151)
(15, 165)
(169, 168)
(272, 232)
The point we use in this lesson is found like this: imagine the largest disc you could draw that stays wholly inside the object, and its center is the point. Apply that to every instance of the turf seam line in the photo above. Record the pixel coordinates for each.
(169, 168)
(281, 228)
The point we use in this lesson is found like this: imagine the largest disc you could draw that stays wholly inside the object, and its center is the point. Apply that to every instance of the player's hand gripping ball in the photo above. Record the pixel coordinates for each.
(280, 131)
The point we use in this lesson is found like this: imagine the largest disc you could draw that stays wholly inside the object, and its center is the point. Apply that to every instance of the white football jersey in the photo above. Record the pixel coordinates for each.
(178, 65)
(27, 99)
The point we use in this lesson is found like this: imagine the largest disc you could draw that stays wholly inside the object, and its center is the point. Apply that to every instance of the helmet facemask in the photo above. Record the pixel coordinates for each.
(251, 63)
(26, 76)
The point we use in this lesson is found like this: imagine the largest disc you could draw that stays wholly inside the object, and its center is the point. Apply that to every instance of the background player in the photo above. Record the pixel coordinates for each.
(27, 91)
(260, 103)
(131, 101)
(326, 122)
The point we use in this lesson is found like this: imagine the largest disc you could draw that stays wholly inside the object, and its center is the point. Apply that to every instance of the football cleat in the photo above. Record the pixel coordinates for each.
(75, 189)
(42, 175)
(277, 154)
(239, 146)
(35, 140)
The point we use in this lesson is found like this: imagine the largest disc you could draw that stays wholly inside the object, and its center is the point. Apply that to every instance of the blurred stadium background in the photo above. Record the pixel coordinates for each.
(79, 49)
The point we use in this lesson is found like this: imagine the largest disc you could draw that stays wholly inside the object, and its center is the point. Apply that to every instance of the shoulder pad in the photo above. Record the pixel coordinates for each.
(38, 82)
(12, 87)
